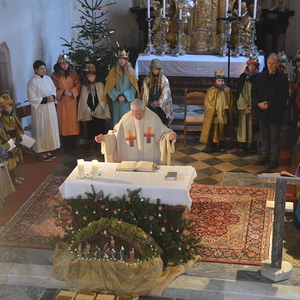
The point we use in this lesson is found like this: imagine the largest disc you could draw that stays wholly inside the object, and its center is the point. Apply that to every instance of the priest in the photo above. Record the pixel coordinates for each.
(139, 135)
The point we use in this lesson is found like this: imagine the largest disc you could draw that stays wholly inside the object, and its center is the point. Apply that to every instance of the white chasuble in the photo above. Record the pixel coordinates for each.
(146, 139)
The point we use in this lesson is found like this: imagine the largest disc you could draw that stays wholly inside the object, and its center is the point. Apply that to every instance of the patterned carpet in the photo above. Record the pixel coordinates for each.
(232, 223)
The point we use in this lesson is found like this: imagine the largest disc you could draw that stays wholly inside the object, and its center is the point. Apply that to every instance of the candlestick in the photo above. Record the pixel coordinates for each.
(226, 8)
(254, 9)
(148, 8)
(95, 169)
(80, 165)
(240, 8)
(180, 14)
(164, 8)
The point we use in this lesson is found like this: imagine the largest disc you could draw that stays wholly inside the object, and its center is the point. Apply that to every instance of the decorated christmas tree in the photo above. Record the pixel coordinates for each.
(93, 37)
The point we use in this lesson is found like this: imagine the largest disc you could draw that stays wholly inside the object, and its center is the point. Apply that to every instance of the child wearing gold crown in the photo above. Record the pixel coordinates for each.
(121, 87)
(91, 108)
(10, 135)
(247, 130)
(218, 115)
(156, 92)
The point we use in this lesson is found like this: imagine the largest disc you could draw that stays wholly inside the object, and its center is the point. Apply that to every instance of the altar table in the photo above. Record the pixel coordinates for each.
(115, 183)
(195, 65)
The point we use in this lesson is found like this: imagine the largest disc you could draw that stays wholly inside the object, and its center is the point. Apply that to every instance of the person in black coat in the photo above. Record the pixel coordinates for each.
(269, 96)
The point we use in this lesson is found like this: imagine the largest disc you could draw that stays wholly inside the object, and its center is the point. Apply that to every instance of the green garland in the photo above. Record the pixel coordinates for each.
(170, 232)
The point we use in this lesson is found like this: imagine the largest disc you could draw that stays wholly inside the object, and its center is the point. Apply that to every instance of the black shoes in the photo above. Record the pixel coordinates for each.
(272, 165)
(262, 161)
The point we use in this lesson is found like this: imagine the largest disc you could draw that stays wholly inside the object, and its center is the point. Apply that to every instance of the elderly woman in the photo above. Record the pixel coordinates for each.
(156, 93)
(67, 86)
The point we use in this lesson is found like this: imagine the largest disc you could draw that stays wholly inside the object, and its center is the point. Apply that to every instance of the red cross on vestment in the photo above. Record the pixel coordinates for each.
(148, 135)
(130, 138)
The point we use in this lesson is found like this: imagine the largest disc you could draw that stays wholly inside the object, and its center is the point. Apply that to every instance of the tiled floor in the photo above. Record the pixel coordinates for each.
(210, 170)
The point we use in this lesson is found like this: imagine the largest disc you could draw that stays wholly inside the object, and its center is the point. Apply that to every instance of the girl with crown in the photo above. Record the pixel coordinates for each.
(156, 93)
(91, 108)
(121, 87)
(218, 115)
(247, 130)
(67, 86)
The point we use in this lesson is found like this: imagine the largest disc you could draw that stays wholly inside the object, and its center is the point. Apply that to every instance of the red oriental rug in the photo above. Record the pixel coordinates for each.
(232, 222)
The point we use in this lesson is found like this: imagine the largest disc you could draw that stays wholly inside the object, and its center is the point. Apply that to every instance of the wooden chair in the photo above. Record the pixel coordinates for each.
(192, 122)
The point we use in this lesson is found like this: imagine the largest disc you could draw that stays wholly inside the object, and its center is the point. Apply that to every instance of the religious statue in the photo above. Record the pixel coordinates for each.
(281, 5)
(157, 30)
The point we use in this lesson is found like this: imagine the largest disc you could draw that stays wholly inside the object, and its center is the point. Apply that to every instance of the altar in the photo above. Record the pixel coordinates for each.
(153, 185)
(195, 65)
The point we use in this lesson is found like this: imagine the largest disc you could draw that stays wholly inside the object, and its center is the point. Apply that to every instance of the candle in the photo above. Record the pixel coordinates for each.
(148, 9)
(254, 9)
(164, 8)
(226, 8)
(95, 169)
(180, 13)
(240, 8)
(80, 165)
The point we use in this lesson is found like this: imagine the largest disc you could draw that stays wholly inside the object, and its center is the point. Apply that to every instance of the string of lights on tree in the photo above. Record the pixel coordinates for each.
(170, 232)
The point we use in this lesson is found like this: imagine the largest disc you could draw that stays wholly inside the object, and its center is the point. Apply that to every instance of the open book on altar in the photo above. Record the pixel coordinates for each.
(137, 166)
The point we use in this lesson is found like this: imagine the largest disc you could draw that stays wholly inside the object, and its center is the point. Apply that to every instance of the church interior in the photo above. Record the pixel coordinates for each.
(192, 39)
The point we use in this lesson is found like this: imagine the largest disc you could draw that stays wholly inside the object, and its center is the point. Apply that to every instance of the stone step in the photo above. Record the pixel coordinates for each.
(185, 287)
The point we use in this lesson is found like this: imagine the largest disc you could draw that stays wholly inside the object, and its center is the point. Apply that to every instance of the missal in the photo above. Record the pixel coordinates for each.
(137, 166)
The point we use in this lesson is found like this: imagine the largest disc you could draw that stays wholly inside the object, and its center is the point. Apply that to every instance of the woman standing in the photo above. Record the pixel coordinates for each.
(156, 93)
(92, 109)
(41, 95)
(67, 86)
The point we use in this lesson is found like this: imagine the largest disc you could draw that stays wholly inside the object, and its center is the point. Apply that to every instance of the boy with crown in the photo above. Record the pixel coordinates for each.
(121, 87)
(218, 115)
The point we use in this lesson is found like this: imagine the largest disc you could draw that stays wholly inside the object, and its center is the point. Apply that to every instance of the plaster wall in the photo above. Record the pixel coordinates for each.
(32, 30)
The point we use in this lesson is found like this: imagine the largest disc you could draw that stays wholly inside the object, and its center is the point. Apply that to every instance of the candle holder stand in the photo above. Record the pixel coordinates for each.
(179, 49)
(253, 48)
(165, 49)
(239, 49)
(150, 47)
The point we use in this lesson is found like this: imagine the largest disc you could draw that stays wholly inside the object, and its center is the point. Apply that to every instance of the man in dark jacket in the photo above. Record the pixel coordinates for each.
(269, 95)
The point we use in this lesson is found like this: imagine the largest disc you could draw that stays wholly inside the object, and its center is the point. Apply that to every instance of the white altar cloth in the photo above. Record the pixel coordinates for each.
(114, 183)
(195, 65)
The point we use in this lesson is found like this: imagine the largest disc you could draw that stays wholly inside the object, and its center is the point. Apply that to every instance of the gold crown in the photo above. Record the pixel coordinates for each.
(5, 100)
(63, 58)
(90, 69)
(282, 56)
(123, 54)
(297, 56)
(253, 60)
(219, 74)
